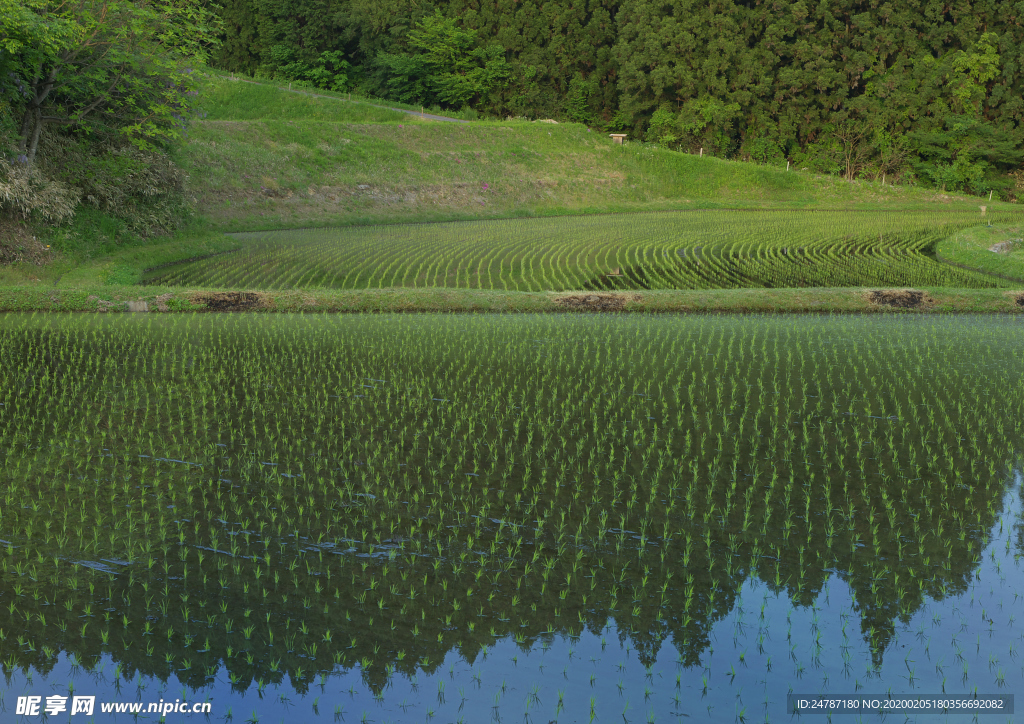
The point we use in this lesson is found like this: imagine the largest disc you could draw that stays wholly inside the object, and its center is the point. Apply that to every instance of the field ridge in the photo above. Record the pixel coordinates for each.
(124, 299)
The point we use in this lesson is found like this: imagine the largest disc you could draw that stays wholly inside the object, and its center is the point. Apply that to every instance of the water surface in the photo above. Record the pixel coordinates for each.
(558, 517)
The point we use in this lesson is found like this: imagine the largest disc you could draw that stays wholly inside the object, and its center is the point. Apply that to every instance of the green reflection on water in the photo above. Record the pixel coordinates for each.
(282, 496)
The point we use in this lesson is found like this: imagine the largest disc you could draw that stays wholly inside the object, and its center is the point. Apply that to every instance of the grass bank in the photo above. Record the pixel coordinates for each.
(859, 300)
(267, 158)
(996, 250)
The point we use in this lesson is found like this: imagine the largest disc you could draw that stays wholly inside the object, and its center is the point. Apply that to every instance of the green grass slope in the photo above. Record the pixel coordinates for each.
(268, 158)
(997, 250)
(241, 100)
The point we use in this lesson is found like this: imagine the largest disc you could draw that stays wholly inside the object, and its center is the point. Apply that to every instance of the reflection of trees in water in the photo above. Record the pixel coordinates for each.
(1019, 525)
(676, 602)
(599, 495)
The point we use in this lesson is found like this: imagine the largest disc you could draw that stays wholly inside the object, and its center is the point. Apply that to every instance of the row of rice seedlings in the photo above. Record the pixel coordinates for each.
(695, 249)
(284, 497)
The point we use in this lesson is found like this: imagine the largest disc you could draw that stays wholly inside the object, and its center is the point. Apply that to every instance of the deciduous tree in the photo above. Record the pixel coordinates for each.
(109, 68)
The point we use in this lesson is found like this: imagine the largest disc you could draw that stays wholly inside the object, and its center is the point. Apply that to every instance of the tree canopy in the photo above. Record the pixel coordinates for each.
(924, 89)
(106, 69)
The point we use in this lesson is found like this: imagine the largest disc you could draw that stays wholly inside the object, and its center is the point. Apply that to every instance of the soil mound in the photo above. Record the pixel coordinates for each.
(597, 302)
(229, 301)
(904, 298)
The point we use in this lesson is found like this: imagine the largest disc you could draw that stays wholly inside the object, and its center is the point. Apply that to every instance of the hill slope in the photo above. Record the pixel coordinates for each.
(266, 157)
(269, 158)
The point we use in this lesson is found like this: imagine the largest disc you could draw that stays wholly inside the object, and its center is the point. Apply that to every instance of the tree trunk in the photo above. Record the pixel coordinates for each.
(26, 128)
(32, 122)
(34, 146)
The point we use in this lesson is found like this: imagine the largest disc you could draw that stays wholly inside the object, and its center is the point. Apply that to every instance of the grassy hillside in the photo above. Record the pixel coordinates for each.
(265, 158)
(229, 99)
(269, 158)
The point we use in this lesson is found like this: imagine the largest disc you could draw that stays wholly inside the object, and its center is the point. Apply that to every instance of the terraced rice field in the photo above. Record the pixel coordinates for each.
(676, 250)
(537, 518)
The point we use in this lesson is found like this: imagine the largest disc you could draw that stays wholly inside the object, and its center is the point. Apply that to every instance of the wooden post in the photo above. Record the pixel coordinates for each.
(990, 196)
(787, 165)
(702, 152)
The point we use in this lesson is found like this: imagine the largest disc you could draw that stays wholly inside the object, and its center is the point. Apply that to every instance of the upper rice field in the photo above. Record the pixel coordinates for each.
(709, 249)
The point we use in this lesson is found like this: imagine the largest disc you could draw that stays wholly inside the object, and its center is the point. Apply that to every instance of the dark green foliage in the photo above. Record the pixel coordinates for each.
(312, 40)
(143, 190)
(446, 65)
(962, 153)
(328, 70)
(922, 90)
(240, 48)
(109, 70)
(835, 88)
(401, 77)
(92, 96)
(560, 53)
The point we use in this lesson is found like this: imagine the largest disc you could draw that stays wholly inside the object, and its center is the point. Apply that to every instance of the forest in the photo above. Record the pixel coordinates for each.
(927, 91)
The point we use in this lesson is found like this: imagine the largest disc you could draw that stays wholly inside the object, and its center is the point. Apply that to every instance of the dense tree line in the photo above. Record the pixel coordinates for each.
(925, 89)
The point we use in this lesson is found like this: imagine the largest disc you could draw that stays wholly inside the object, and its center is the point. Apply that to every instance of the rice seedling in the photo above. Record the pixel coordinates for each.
(306, 496)
(701, 249)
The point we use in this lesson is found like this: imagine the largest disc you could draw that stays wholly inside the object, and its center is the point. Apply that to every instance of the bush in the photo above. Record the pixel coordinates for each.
(143, 188)
(26, 192)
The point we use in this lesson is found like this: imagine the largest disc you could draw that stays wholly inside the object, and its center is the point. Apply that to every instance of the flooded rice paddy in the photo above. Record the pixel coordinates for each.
(508, 518)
